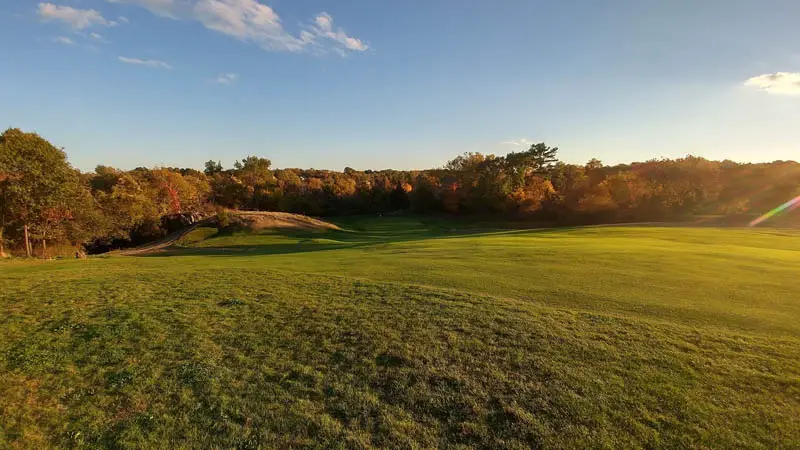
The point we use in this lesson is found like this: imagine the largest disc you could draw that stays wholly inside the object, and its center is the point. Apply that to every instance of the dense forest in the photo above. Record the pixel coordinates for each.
(45, 201)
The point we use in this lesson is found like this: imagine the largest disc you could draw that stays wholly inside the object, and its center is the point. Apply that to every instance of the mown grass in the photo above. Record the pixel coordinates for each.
(401, 333)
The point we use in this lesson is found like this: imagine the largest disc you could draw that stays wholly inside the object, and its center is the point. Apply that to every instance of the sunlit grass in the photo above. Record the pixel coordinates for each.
(403, 333)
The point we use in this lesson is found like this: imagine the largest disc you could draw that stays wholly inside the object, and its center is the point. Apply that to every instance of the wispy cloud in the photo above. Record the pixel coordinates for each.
(227, 78)
(98, 37)
(78, 19)
(64, 40)
(145, 62)
(323, 28)
(257, 23)
(785, 83)
(518, 143)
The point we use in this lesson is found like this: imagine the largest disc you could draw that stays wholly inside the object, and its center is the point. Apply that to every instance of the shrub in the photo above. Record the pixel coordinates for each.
(223, 219)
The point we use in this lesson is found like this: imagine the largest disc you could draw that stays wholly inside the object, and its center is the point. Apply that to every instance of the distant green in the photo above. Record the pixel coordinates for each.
(408, 333)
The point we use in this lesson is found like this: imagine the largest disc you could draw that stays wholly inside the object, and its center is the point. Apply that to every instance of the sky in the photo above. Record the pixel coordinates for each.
(404, 84)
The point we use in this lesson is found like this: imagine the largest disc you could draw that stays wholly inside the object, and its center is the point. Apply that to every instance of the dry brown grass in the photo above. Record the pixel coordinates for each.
(258, 220)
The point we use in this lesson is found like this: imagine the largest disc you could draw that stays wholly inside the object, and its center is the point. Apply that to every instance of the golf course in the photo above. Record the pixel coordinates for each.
(409, 332)
(266, 224)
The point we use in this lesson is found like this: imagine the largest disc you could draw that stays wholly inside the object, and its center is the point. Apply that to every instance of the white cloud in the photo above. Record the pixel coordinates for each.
(98, 37)
(324, 21)
(64, 40)
(76, 18)
(785, 83)
(518, 143)
(227, 78)
(145, 62)
(255, 22)
(246, 20)
(324, 29)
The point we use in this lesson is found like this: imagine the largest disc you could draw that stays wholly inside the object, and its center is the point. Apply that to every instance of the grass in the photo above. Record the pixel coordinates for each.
(404, 333)
(196, 236)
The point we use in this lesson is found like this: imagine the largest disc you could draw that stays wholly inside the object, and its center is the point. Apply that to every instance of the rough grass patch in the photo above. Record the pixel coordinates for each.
(623, 338)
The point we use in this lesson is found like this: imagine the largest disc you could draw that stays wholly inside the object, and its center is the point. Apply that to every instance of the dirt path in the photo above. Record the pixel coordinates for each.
(162, 243)
(252, 220)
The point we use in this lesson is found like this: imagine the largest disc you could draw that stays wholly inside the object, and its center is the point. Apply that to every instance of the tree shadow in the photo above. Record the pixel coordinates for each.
(309, 241)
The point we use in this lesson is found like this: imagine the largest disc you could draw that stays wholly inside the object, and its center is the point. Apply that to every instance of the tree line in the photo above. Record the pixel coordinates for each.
(44, 200)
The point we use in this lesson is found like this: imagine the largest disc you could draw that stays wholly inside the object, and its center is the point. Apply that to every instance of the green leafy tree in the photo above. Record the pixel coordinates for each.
(42, 196)
(5, 212)
(256, 177)
(128, 205)
(537, 160)
(213, 167)
(423, 196)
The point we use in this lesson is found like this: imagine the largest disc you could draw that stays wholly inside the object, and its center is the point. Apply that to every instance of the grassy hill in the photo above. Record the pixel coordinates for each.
(396, 332)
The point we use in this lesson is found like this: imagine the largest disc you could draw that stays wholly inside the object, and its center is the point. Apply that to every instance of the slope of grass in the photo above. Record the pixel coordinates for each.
(401, 333)
(196, 236)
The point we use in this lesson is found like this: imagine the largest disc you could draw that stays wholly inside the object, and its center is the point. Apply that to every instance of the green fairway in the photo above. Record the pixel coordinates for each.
(404, 333)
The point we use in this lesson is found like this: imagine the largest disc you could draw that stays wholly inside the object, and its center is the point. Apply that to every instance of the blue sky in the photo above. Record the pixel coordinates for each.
(401, 84)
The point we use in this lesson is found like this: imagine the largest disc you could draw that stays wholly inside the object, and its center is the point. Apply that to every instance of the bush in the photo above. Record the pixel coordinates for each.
(223, 219)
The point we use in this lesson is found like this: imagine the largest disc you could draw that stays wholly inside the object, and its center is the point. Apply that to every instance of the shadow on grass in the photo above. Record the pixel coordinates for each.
(248, 250)
(388, 233)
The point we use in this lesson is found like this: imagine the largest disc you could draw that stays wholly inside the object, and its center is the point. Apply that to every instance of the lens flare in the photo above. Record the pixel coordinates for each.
(788, 206)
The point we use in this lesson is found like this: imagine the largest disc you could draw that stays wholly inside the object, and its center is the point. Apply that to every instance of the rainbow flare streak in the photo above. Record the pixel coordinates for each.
(788, 206)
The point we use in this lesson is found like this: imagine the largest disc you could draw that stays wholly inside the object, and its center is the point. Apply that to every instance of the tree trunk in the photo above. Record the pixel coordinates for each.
(27, 242)
(44, 248)
(2, 249)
